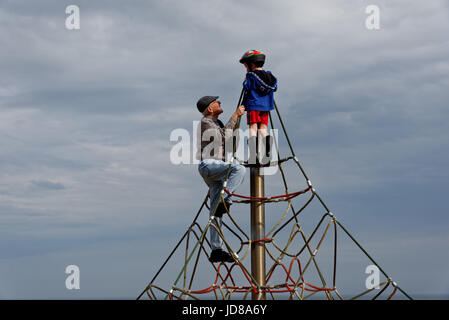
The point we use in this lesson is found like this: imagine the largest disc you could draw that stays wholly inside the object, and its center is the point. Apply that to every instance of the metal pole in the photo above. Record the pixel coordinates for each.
(257, 232)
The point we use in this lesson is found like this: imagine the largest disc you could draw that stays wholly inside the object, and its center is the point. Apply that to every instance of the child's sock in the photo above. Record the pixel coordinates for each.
(253, 150)
(266, 151)
(268, 145)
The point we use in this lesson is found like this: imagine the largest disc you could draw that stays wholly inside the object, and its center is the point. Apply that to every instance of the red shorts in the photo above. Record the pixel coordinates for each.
(257, 117)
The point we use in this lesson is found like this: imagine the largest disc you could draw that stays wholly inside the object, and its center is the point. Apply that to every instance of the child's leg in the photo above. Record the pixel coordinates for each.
(263, 124)
(252, 125)
(267, 140)
(263, 130)
(253, 129)
(252, 139)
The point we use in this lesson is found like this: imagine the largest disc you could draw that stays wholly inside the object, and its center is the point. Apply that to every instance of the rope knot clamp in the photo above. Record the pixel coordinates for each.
(309, 183)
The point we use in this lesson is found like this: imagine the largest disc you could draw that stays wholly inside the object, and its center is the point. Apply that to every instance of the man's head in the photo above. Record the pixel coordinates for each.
(209, 105)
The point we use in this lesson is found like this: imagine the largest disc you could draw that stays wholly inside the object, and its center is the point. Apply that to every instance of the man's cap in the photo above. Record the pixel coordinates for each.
(204, 102)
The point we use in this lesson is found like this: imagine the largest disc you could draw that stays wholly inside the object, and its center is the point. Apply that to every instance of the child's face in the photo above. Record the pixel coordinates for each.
(247, 67)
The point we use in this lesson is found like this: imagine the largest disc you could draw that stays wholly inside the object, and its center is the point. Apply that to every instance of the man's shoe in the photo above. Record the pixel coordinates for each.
(221, 209)
(219, 255)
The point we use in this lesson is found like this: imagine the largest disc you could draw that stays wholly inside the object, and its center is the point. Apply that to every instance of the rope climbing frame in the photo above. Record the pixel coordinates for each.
(291, 260)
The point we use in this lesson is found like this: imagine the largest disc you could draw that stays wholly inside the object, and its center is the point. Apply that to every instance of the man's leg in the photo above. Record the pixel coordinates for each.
(216, 174)
(215, 240)
(214, 193)
(236, 176)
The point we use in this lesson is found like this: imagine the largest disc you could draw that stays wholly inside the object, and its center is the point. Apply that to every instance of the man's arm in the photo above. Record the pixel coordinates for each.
(231, 126)
(233, 121)
(238, 112)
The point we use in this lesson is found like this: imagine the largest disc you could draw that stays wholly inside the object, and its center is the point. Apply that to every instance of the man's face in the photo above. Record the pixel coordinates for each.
(215, 108)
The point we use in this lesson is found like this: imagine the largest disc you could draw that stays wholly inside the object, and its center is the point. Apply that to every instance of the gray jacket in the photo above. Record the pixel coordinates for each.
(213, 138)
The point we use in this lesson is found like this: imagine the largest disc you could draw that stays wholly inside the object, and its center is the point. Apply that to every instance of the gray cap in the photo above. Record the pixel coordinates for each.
(204, 102)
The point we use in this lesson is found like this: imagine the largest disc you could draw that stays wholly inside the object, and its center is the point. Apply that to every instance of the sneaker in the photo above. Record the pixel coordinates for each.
(221, 209)
(219, 255)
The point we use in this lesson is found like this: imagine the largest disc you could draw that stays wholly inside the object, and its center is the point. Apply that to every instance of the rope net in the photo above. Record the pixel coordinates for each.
(301, 251)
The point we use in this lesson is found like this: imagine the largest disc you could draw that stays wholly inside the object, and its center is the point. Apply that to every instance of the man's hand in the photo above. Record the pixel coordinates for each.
(239, 111)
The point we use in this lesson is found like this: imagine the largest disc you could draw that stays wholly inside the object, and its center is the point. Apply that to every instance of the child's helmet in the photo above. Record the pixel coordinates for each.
(253, 56)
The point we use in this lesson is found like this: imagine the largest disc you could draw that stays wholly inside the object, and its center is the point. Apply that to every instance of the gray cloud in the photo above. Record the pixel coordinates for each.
(48, 184)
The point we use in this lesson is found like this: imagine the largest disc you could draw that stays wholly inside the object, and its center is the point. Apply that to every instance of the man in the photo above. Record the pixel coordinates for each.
(213, 168)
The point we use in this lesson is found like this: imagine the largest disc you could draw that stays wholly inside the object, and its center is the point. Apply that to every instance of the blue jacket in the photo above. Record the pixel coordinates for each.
(259, 86)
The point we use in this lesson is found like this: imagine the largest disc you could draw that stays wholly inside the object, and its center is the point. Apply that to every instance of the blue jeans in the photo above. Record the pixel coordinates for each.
(214, 173)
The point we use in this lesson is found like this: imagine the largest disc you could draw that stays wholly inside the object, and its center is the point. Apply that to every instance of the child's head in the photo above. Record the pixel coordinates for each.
(253, 59)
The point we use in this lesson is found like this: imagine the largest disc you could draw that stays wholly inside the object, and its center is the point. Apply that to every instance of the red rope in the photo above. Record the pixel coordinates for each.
(260, 240)
(287, 195)
(283, 288)
(392, 294)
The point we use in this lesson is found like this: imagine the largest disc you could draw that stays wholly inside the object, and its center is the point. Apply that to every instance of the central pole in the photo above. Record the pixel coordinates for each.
(257, 232)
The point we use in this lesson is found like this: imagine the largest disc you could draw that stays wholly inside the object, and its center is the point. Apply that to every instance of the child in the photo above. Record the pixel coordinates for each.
(259, 86)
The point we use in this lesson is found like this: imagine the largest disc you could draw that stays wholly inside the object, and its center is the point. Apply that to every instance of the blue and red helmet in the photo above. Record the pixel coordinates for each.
(253, 56)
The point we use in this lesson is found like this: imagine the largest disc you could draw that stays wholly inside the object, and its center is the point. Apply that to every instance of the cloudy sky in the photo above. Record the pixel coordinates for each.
(86, 117)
